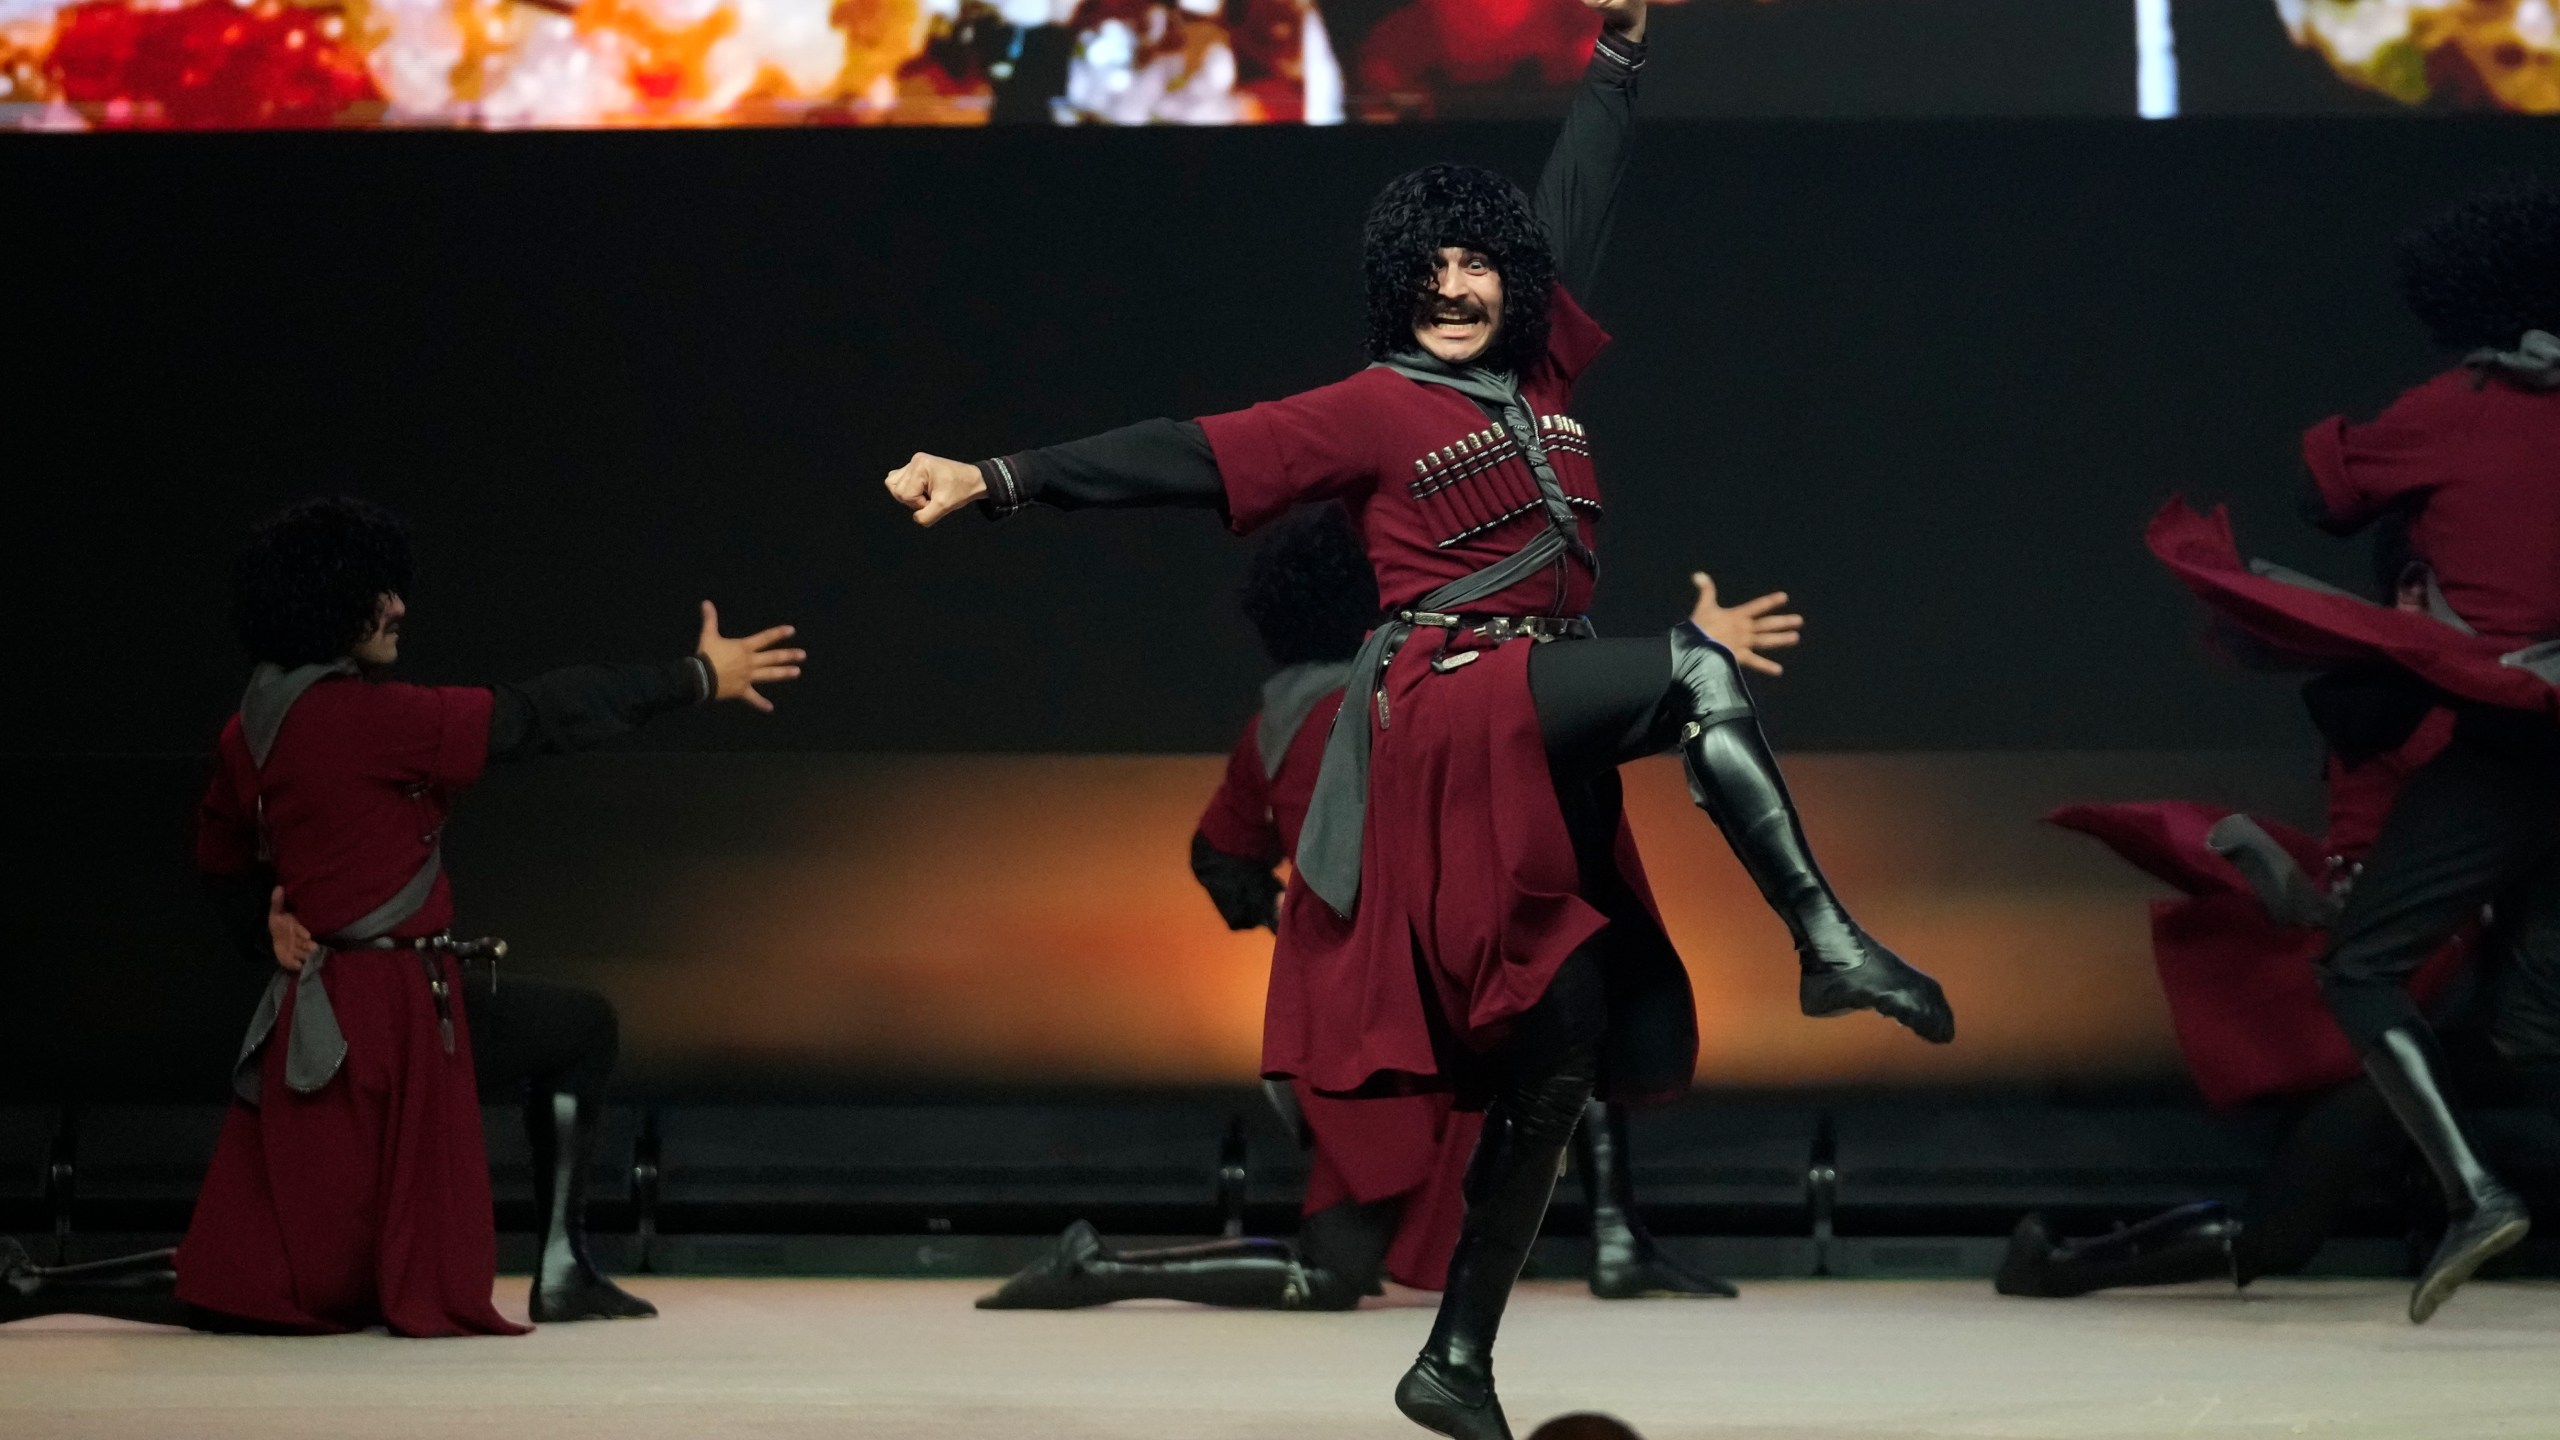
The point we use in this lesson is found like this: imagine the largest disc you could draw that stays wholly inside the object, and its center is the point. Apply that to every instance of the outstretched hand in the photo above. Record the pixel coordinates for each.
(933, 487)
(739, 666)
(1746, 629)
(1626, 17)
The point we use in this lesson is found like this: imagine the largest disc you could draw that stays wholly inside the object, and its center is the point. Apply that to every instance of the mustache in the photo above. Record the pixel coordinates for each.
(1435, 308)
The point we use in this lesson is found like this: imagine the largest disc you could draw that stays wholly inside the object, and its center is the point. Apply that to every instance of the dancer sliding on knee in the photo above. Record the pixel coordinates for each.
(1467, 911)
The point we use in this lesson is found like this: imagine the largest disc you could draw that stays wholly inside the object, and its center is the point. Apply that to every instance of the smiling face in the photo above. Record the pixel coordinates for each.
(1460, 312)
(381, 645)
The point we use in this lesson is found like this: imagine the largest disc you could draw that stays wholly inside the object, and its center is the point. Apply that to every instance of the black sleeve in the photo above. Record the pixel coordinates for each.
(1245, 891)
(240, 907)
(1154, 462)
(582, 706)
(1578, 192)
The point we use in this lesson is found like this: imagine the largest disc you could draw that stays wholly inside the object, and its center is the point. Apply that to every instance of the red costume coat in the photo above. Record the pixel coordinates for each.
(2243, 990)
(366, 1201)
(2475, 463)
(1468, 873)
(1413, 1147)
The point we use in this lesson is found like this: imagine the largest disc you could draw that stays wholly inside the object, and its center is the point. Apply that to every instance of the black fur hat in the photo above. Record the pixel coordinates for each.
(1309, 590)
(310, 583)
(1441, 205)
(2487, 270)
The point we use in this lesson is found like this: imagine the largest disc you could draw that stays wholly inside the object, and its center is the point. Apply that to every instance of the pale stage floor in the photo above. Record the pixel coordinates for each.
(1806, 1360)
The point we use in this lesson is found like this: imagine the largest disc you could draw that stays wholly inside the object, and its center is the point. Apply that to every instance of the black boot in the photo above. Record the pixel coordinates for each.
(130, 1287)
(1625, 1263)
(1250, 1274)
(2192, 1242)
(1513, 1176)
(1735, 779)
(2483, 1217)
(566, 1284)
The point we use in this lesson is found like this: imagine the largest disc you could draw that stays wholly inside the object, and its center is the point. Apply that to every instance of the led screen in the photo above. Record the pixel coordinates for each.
(222, 64)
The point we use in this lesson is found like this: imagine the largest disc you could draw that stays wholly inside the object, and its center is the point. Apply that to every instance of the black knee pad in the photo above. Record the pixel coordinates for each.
(1707, 688)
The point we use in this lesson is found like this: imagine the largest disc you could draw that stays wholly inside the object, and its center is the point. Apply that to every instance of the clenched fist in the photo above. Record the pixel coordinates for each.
(933, 487)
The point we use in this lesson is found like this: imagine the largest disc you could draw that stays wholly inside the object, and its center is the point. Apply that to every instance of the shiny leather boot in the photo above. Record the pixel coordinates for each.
(1735, 779)
(1513, 1176)
(566, 1284)
(2483, 1217)
(2192, 1242)
(140, 1287)
(1248, 1274)
(1625, 1262)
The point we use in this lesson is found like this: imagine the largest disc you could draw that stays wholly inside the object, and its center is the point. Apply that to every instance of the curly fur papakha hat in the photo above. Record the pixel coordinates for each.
(1309, 590)
(308, 587)
(2487, 270)
(1443, 205)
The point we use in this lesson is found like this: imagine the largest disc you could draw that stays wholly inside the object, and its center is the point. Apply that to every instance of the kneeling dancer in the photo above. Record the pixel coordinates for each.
(1468, 911)
(351, 1187)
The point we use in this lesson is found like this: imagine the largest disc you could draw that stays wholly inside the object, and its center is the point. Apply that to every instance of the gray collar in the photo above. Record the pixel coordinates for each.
(2534, 363)
(272, 691)
(1496, 387)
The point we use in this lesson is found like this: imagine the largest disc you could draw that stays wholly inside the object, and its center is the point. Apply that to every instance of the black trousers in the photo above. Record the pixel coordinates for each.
(2479, 825)
(532, 1037)
(2338, 1142)
(1622, 1000)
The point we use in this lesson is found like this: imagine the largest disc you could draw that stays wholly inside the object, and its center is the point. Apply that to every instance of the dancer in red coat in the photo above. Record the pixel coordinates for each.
(351, 1184)
(2239, 957)
(1467, 908)
(2471, 461)
(1383, 1186)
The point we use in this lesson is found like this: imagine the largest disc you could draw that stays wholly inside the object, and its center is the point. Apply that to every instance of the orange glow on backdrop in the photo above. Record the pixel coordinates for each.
(1034, 917)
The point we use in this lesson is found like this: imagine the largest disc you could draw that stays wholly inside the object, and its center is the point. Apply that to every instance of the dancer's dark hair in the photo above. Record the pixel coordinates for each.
(1442, 205)
(310, 583)
(2487, 270)
(1309, 590)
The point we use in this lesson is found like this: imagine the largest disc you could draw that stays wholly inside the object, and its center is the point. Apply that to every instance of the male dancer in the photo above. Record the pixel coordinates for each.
(550, 1046)
(1382, 1192)
(2238, 954)
(1467, 910)
(2472, 458)
(350, 1187)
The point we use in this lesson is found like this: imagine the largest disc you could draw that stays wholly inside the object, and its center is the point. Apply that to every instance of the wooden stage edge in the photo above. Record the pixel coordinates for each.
(779, 1359)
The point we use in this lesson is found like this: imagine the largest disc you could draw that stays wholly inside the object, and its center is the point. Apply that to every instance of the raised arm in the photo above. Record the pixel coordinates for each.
(1578, 192)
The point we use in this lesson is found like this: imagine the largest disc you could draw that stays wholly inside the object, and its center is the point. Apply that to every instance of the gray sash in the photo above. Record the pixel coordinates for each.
(1286, 699)
(2437, 606)
(316, 1047)
(2541, 660)
(2535, 362)
(1329, 849)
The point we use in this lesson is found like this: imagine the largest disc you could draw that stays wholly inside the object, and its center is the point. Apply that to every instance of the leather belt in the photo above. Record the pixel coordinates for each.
(1541, 628)
(487, 947)
(428, 947)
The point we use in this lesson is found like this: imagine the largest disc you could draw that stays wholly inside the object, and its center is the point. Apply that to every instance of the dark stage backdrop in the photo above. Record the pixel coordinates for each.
(1929, 377)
